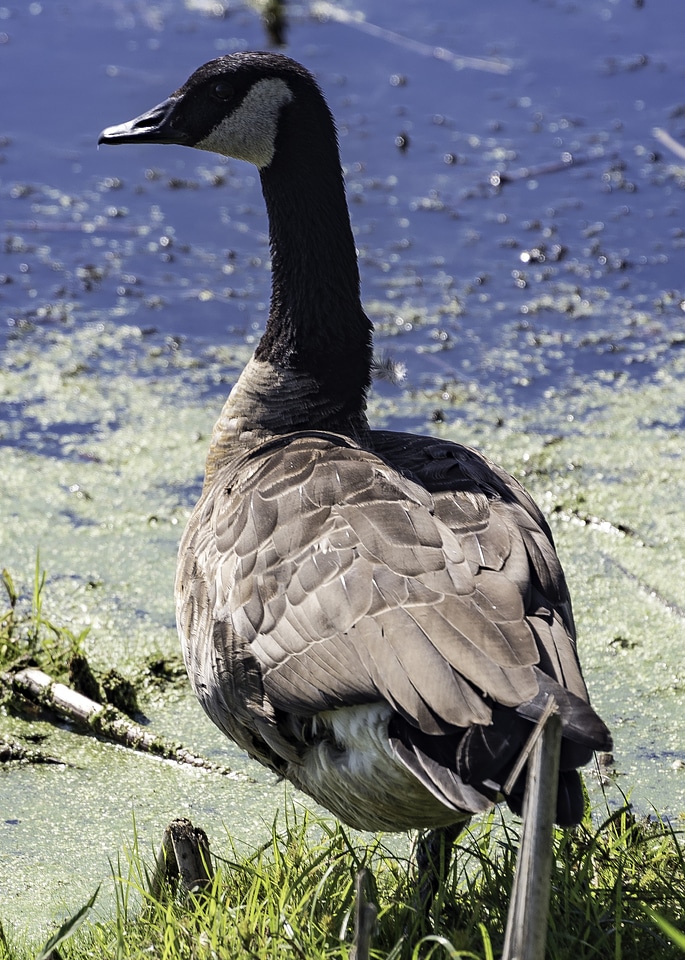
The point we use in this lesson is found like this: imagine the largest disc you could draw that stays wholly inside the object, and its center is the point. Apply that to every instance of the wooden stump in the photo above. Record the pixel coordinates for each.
(184, 857)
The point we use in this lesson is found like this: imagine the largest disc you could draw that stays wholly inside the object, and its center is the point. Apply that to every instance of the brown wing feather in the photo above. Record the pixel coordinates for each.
(419, 574)
(452, 473)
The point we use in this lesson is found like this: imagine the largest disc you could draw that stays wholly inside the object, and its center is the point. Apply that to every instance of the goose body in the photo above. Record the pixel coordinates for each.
(378, 617)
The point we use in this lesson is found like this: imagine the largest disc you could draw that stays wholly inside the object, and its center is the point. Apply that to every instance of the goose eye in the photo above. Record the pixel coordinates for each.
(222, 90)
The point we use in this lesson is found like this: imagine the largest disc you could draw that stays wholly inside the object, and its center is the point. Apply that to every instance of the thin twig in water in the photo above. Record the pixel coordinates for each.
(667, 140)
(565, 162)
(459, 62)
(651, 591)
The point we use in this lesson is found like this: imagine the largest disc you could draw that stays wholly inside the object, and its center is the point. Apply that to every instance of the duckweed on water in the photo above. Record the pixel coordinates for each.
(103, 426)
(100, 473)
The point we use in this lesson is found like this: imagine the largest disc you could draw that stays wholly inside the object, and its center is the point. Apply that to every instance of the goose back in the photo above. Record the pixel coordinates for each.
(411, 589)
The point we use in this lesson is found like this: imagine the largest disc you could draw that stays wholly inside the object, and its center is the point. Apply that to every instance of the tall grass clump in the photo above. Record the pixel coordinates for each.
(27, 633)
(618, 888)
(618, 893)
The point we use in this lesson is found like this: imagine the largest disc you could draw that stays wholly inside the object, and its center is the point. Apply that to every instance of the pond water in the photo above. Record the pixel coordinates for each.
(521, 239)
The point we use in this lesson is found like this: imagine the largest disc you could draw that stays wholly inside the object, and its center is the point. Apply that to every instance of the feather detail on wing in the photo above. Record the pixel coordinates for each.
(317, 575)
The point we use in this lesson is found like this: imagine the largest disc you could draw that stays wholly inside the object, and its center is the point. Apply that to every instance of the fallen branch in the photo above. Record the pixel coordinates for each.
(13, 752)
(104, 721)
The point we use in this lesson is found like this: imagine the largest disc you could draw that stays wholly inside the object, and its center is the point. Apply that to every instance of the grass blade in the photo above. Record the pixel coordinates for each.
(67, 929)
(673, 934)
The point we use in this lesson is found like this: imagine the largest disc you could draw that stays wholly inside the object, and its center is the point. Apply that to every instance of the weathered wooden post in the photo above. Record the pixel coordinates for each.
(365, 913)
(526, 932)
(184, 856)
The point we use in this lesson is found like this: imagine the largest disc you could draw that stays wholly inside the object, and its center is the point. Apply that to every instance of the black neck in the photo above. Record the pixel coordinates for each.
(316, 323)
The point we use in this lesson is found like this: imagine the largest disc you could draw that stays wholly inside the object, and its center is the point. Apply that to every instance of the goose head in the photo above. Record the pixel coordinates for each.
(269, 110)
(231, 105)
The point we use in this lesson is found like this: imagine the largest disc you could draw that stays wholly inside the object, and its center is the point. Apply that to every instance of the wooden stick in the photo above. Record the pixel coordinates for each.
(365, 913)
(104, 721)
(668, 141)
(526, 932)
(537, 732)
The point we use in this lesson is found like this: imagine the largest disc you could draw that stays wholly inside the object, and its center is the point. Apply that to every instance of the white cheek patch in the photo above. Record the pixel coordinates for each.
(249, 133)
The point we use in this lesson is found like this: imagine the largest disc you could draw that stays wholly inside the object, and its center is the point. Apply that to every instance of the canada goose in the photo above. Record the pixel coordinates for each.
(379, 617)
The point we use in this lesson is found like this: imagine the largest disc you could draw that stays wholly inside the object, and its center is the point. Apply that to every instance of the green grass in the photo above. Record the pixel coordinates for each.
(26, 632)
(29, 637)
(618, 892)
(618, 888)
